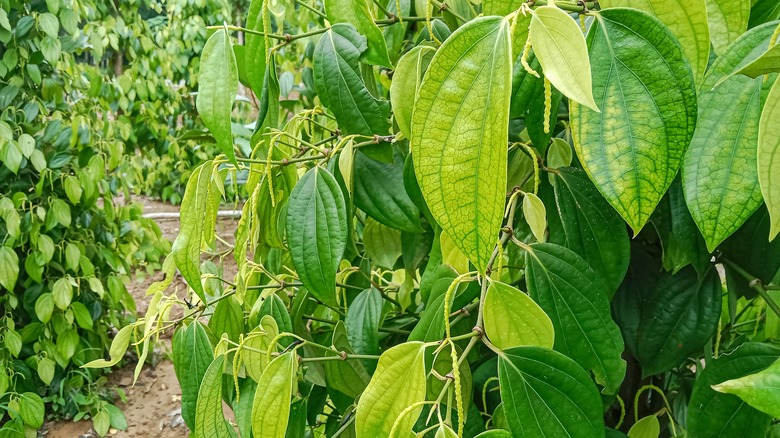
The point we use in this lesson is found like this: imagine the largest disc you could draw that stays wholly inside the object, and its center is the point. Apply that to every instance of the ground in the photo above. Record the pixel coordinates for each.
(153, 406)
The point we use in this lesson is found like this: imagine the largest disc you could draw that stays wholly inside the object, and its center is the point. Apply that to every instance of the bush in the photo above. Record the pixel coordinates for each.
(493, 225)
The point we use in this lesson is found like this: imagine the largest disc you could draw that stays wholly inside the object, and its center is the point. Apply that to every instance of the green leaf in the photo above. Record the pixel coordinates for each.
(192, 354)
(460, 134)
(382, 244)
(759, 390)
(118, 420)
(46, 370)
(546, 394)
(62, 292)
(347, 376)
(379, 191)
(728, 21)
(768, 62)
(271, 407)
(713, 414)
(495, 433)
(560, 47)
(358, 14)
(577, 302)
(67, 343)
(228, 318)
(255, 52)
(407, 77)
(559, 154)
(116, 351)
(186, 247)
(678, 318)
(340, 86)
(61, 211)
(9, 268)
(395, 34)
(44, 306)
(209, 419)
(430, 327)
(362, 321)
(647, 427)
(763, 11)
(513, 319)
(13, 342)
(385, 399)
(51, 48)
(31, 409)
(686, 19)
(720, 175)
(769, 156)
(646, 91)
(317, 232)
(217, 88)
(535, 215)
(274, 307)
(72, 256)
(49, 24)
(81, 314)
(589, 226)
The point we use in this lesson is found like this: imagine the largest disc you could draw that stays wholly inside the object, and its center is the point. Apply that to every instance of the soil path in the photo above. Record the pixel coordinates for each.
(153, 407)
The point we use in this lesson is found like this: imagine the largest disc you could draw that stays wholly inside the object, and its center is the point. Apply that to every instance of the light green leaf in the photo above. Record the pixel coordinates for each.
(217, 88)
(44, 306)
(647, 427)
(72, 256)
(728, 20)
(101, 422)
(767, 63)
(535, 215)
(382, 244)
(116, 351)
(31, 409)
(720, 176)
(340, 86)
(67, 343)
(384, 399)
(46, 370)
(61, 211)
(72, 189)
(460, 134)
(51, 48)
(546, 394)
(358, 14)
(49, 24)
(560, 47)
(186, 247)
(578, 304)
(687, 19)
(13, 342)
(559, 154)
(406, 81)
(62, 292)
(259, 339)
(495, 433)
(9, 268)
(646, 91)
(760, 390)
(513, 319)
(209, 419)
(192, 354)
(317, 232)
(451, 255)
(445, 431)
(26, 144)
(254, 54)
(769, 156)
(271, 407)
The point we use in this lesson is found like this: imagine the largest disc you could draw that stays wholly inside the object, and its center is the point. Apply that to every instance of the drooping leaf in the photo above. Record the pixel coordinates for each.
(546, 394)
(317, 232)
(384, 399)
(192, 354)
(513, 319)
(217, 88)
(720, 175)
(358, 14)
(406, 81)
(678, 318)
(560, 47)
(687, 19)
(459, 134)
(209, 419)
(577, 302)
(379, 191)
(589, 226)
(186, 247)
(713, 414)
(254, 55)
(347, 376)
(728, 20)
(271, 407)
(646, 91)
(340, 86)
(769, 156)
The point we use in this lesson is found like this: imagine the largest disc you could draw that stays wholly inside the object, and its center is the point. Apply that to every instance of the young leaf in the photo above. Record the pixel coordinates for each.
(31, 409)
(760, 390)
(535, 215)
(687, 19)
(259, 339)
(546, 394)
(728, 21)
(254, 54)
(513, 319)
(406, 81)
(9, 268)
(647, 95)
(713, 414)
(459, 134)
(217, 88)
(720, 175)
(192, 354)
(589, 226)
(271, 407)
(317, 232)
(384, 399)
(769, 156)
(382, 244)
(560, 47)
(209, 419)
(577, 302)
(358, 14)
(647, 427)
(116, 351)
(340, 86)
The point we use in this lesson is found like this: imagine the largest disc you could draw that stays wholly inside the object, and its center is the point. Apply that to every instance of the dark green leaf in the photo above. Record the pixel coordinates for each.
(379, 191)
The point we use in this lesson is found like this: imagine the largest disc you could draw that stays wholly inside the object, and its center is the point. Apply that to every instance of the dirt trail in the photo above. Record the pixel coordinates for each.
(153, 407)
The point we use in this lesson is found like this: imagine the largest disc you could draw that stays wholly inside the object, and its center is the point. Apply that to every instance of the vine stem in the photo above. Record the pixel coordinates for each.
(566, 6)
(755, 283)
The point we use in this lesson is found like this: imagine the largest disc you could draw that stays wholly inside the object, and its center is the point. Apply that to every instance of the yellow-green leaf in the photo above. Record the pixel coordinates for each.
(382, 243)
(254, 54)
(535, 215)
(116, 351)
(271, 407)
(460, 134)
(358, 14)
(384, 399)
(210, 421)
(769, 156)
(561, 50)
(513, 319)
(769, 62)
(406, 80)
(728, 20)
(760, 390)
(647, 427)
(217, 88)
